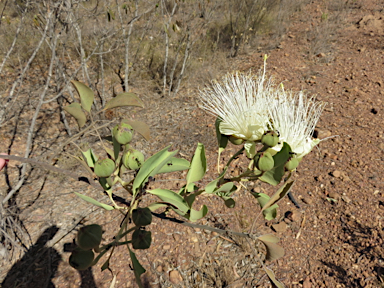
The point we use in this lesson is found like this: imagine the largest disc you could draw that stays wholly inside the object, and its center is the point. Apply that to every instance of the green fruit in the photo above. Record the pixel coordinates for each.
(270, 139)
(89, 237)
(123, 133)
(125, 159)
(81, 259)
(104, 167)
(292, 164)
(265, 162)
(236, 141)
(134, 160)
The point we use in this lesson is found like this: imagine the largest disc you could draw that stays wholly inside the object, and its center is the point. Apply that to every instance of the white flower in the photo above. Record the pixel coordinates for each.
(241, 102)
(294, 117)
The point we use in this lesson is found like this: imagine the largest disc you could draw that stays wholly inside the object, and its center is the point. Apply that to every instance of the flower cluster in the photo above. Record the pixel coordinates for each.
(250, 106)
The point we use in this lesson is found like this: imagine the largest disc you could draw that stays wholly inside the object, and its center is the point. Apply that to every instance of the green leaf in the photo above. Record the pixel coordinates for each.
(105, 265)
(156, 205)
(211, 186)
(142, 216)
(124, 99)
(141, 239)
(75, 110)
(279, 194)
(198, 165)
(116, 148)
(272, 277)
(269, 213)
(172, 198)
(141, 127)
(190, 199)
(86, 95)
(222, 140)
(137, 268)
(275, 175)
(151, 167)
(230, 203)
(226, 189)
(175, 164)
(90, 157)
(94, 202)
(195, 215)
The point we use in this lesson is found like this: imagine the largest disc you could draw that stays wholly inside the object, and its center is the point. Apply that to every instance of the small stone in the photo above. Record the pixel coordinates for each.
(336, 174)
(194, 239)
(322, 133)
(167, 247)
(175, 277)
(376, 192)
(307, 200)
(346, 199)
(159, 269)
(334, 195)
(281, 227)
(307, 283)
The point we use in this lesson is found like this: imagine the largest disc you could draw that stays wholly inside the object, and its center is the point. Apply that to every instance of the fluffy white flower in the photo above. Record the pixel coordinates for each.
(241, 102)
(294, 116)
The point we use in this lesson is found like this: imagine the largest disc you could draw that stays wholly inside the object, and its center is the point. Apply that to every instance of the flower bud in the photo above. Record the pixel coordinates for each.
(89, 237)
(81, 259)
(292, 164)
(270, 139)
(265, 162)
(123, 133)
(236, 141)
(133, 159)
(104, 167)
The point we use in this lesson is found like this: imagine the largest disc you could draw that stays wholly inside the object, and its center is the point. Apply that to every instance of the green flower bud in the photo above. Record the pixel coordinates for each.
(265, 162)
(236, 141)
(81, 259)
(270, 139)
(292, 164)
(133, 159)
(123, 133)
(89, 237)
(104, 167)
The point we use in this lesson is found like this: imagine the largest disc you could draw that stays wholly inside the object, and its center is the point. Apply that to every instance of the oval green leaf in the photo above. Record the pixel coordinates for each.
(86, 95)
(75, 110)
(175, 164)
(124, 99)
(141, 127)
(198, 165)
(172, 198)
(94, 202)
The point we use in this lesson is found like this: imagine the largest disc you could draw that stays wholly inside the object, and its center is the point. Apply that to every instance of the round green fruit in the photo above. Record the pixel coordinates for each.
(123, 133)
(265, 162)
(292, 164)
(133, 159)
(104, 167)
(270, 139)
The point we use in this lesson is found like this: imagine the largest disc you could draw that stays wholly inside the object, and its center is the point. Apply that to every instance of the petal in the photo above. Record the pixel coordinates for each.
(250, 148)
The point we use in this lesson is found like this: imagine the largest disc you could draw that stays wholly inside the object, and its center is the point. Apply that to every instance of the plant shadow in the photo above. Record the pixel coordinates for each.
(39, 265)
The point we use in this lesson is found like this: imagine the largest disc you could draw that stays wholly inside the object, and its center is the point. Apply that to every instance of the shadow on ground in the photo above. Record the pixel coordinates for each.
(39, 265)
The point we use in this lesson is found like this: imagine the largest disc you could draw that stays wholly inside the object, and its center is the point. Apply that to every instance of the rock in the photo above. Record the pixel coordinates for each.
(336, 174)
(167, 247)
(175, 277)
(281, 227)
(307, 200)
(307, 283)
(334, 195)
(346, 199)
(322, 133)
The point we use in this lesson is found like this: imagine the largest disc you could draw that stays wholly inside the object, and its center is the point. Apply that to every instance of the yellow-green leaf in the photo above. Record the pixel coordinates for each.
(86, 95)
